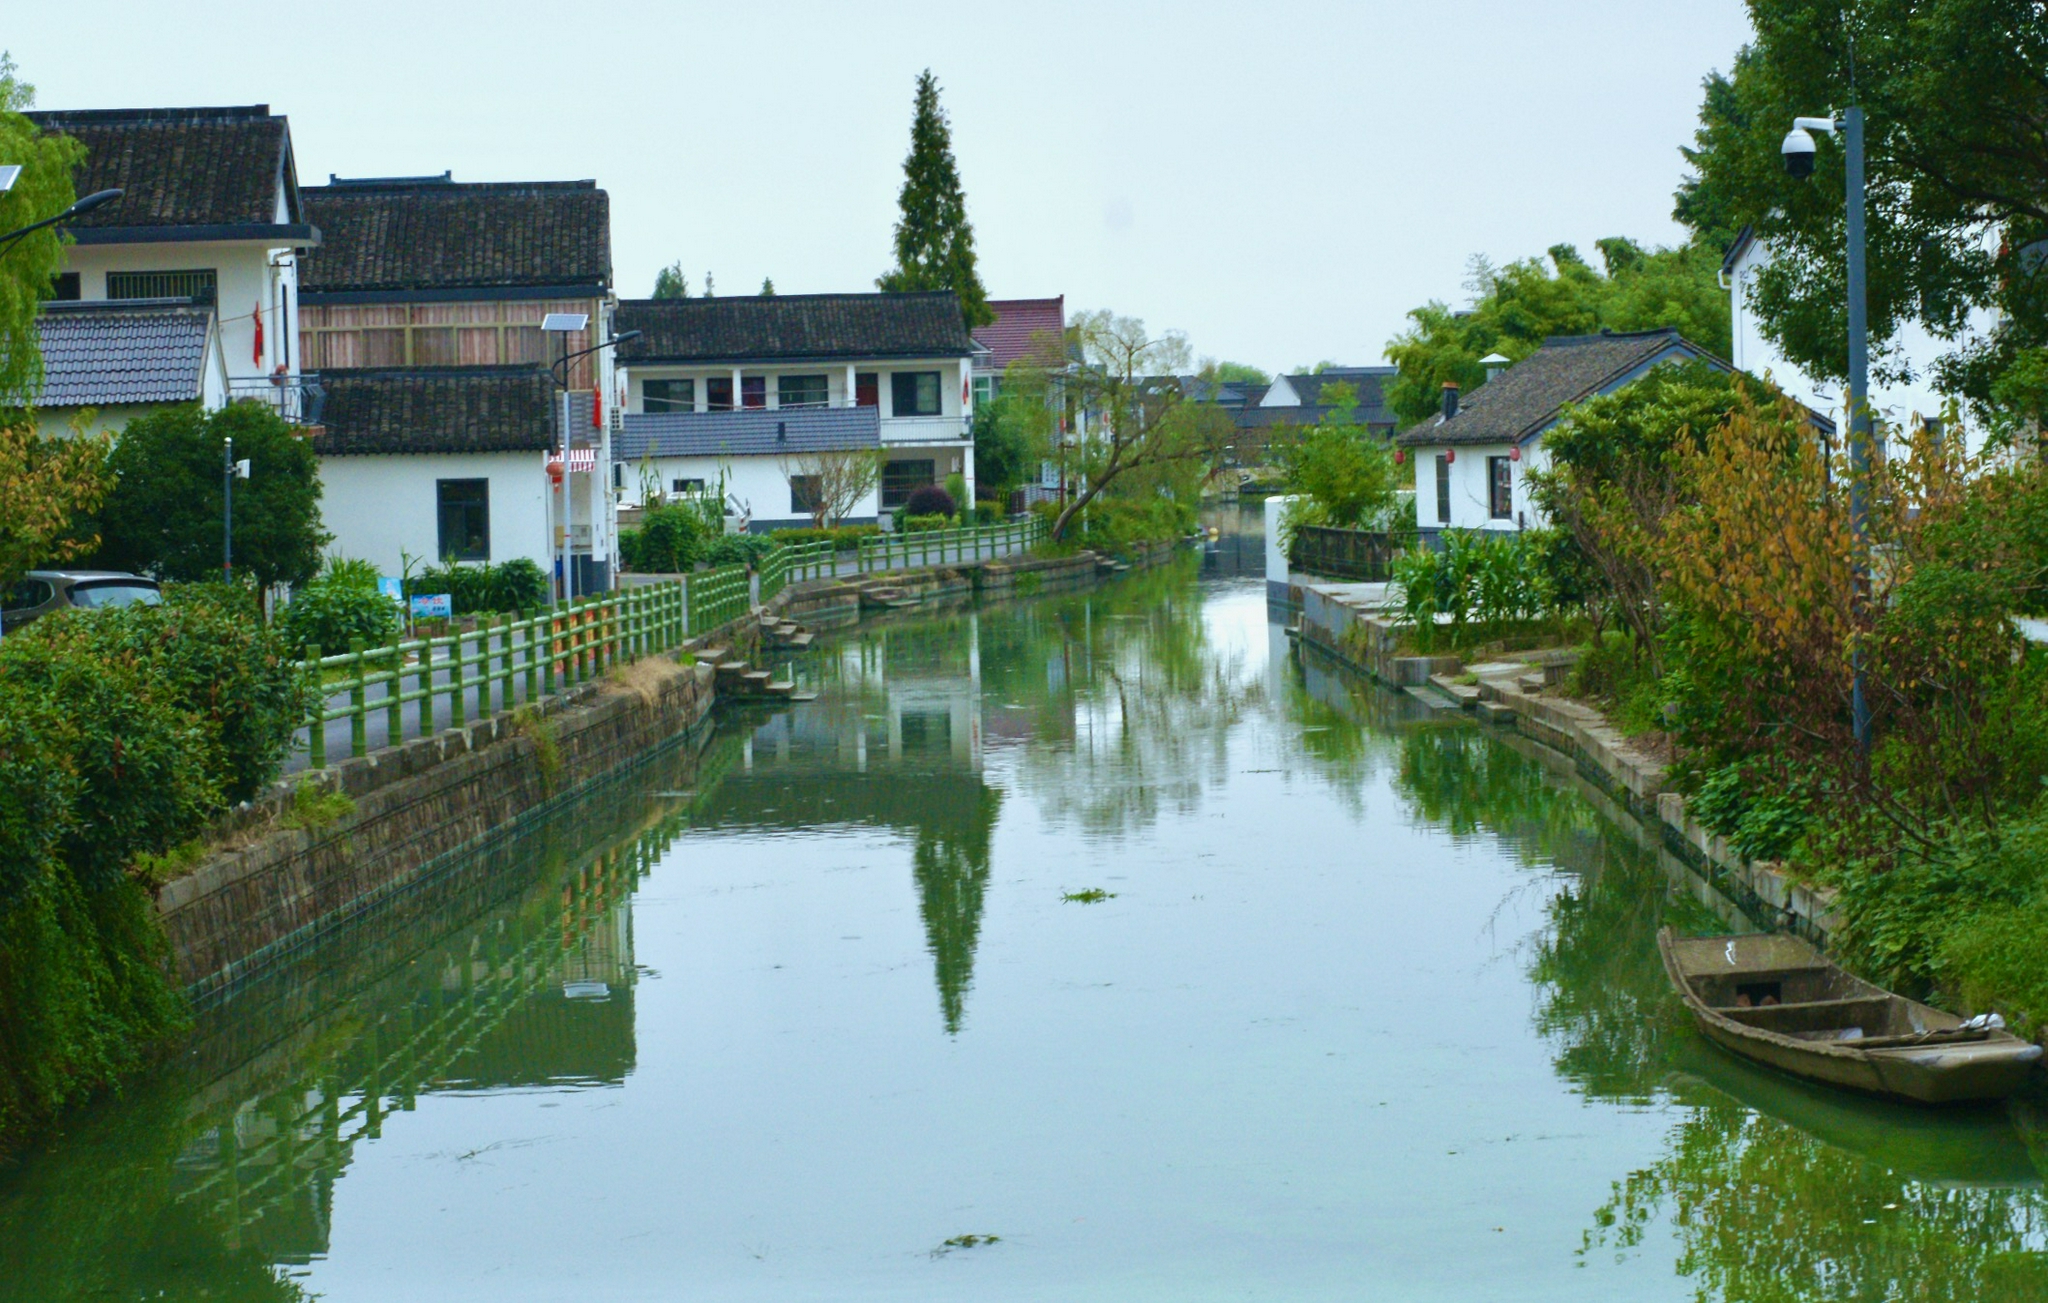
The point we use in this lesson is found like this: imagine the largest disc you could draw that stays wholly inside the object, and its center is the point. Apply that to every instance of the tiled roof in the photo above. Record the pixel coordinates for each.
(1527, 397)
(793, 327)
(1019, 325)
(438, 409)
(746, 434)
(413, 233)
(1369, 381)
(180, 167)
(100, 353)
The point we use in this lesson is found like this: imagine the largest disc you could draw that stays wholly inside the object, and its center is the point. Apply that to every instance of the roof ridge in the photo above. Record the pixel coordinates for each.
(1607, 336)
(432, 372)
(82, 306)
(786, 298)
(195, 113)
(431, 185)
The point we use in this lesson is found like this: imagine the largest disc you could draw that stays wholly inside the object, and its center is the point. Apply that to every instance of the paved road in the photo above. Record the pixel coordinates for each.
(376, 723)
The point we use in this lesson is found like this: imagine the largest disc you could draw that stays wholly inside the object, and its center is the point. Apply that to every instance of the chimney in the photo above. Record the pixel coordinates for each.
(1450, 399)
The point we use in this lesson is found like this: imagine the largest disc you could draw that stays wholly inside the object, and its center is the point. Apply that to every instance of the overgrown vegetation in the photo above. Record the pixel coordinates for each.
(1481, 585)
(340, 604)
(485, 588)
(1343, 476)
(122, 733)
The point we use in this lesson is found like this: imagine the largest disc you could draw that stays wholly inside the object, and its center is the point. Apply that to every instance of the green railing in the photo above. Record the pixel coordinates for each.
(941, 546)
(795, 562)
(544, 653)
(717, 597)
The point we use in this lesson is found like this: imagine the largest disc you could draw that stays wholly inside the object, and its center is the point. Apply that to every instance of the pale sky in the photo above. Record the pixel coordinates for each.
(1281, 181)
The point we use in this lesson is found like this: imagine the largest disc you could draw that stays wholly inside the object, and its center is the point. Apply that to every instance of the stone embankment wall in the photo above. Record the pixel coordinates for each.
(275, 889)
(1345, 621)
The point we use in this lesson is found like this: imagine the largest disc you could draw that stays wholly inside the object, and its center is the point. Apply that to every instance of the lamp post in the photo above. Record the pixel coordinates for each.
(565, 324)
(85, 205)
(230, 471)
(1798, 151)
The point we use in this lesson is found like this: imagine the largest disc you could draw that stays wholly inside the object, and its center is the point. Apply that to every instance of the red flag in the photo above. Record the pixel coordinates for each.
(258, 314)
(597, 408)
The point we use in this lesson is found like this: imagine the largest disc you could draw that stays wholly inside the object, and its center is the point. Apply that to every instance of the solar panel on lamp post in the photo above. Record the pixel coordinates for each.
(565, 324)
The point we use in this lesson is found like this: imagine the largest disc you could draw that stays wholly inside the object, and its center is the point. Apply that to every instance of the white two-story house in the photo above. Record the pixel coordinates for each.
(737, 390)
(210, 223)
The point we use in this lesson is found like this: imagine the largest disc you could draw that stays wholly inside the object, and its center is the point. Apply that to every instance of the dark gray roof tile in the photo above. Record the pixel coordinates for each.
(1527, 397)
(180, 167)
(414, 233)
(437, 410)
(103, 353)
(796, 327)
(744, 434)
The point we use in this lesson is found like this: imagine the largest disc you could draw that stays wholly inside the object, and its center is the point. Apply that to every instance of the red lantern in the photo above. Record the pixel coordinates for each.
(1515, 453)
(1400, 456)
(1450, 455)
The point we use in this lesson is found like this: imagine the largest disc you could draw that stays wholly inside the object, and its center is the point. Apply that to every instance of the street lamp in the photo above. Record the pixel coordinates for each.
(1798, 150)
(231, 470)
(565, 324)
(85, 205)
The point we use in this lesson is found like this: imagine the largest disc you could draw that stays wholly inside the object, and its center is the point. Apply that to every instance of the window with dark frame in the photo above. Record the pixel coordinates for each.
(1500, 479)
(902, 478)
(802, 391)
(804, 492)
(914, 393)
(197, 283)
(465, 518)
(754, 393)
(718, 394)
(686, 486)
(668, 395)
(1443, 489)
(867, 389)
(64, 287)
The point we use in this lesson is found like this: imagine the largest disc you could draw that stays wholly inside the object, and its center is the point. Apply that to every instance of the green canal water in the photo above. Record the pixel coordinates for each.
(1368, 1009)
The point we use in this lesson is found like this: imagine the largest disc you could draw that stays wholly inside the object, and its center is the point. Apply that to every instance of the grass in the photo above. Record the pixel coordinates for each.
(315, 807)
(1092, 896)
(547, 751)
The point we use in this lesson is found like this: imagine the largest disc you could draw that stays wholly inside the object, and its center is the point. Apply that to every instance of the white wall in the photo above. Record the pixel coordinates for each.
(1471, 498)
(246, 280)
(757, 487)
(379, 506)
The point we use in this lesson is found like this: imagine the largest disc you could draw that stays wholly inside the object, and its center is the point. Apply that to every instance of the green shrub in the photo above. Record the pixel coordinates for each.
(738, 549)
(670, 540)
(350, 572)
(922, 524)
(988, 513)
(1116, 524)
(515, 585)
(1991, 955)
(328, 613)
(1484, 578)
(844, 537)
(1764, 817)
(929, 500)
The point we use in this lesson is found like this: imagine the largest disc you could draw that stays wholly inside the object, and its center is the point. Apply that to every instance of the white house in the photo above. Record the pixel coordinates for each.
(1894, 404)
(106, 362)
(1473, 458)
(210, 214)
(423, 313)
(739, 389)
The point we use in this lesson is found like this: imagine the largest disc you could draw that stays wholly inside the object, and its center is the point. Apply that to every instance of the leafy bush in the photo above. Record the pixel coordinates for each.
(929, 500)
(670, 540)
(988, 512)
(1762, 816)
(1483, 578)
(331, 611)
(515, 585)
(844, 537)
(1118, 524)
(922, 524)
(351, 572)
(738, 549)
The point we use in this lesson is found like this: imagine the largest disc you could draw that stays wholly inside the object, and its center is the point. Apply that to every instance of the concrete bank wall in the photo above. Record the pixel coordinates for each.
(1344, 621)
(278, 889)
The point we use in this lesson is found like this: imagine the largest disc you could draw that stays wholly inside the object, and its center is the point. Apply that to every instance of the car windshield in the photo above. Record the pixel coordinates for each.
(115, 592)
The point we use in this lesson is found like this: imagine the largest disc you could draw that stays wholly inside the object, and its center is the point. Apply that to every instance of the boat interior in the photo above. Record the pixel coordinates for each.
(1817, 1003)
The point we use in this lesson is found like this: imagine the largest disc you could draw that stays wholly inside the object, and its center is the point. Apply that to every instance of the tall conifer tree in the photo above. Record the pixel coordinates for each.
(934, 240)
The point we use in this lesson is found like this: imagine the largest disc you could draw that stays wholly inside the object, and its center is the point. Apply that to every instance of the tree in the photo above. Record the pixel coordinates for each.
(1347, 475)
(1518, 306)
(27, 265)
(163, 516)
(1139, 425)
(1239, 373)
(934, 240)
(1011, 432)
(46, 487)
(670, 283)
(830, 482)
(767, 287)
(1957, 167)
(708, 290)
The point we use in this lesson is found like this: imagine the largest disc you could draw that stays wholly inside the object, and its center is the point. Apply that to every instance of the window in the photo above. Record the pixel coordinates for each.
(64, 287)
(28, 593)
(718, 394)
(914, 393)
(803, 494)
(1443, 489)
(984, 390)
(686, 486)
(867, 389)
(901, 478)
(1500, 479)
(754, 393)
(668, 395)
(195, 284)
(465, 515)
(801, 391)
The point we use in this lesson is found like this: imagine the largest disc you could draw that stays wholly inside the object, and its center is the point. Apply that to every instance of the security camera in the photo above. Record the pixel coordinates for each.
(1798, 150)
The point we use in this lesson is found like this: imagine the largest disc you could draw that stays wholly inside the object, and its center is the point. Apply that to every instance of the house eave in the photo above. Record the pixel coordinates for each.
(296, 235)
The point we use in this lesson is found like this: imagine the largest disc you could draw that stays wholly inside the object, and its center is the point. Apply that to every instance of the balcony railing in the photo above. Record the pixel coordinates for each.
(923, 429)
(298, 399)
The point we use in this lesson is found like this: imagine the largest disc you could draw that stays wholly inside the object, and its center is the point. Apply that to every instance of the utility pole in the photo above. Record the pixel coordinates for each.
(1860, 426)
(230, 471)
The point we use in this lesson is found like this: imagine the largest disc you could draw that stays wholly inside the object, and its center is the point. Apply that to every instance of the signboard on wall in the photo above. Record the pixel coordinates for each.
(431, 605)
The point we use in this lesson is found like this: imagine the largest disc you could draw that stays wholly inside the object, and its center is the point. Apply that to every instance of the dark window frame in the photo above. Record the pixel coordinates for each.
(480, 504)
(1443, 489)
(816, 390)
(912, 384)
(1500, 488)
(202, 283)
(754, 393)
(718, 393)
(804, 492)
(663, 395)
(896, 489)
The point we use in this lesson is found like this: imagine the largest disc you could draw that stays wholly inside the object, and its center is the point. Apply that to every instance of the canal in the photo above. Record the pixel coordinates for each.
(1087, 947)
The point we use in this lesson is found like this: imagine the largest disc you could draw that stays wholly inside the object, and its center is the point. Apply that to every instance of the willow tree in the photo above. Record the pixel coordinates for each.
(28, 264)
(934, 239)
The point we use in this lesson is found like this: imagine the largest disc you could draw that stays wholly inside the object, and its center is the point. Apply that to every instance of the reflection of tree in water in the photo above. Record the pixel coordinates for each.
(1151, 703)
(1765, 1213)
(951, 868)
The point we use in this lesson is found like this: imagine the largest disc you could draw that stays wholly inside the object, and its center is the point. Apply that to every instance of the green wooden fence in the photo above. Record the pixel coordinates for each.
(940, 546)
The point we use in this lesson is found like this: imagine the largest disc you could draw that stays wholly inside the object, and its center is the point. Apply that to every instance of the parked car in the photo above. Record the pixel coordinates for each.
(43, 591)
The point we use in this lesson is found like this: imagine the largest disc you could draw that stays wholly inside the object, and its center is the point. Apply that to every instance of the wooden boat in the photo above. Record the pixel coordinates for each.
(1779, 1001)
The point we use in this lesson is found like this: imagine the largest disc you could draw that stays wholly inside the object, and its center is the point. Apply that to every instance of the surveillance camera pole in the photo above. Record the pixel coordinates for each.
(227, 520)
(1859, 404)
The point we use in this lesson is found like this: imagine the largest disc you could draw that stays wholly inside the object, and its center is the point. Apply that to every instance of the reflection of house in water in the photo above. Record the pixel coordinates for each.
(896, 745)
